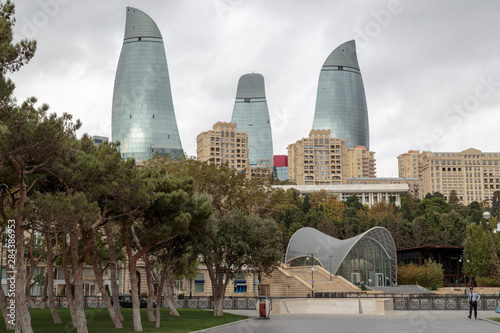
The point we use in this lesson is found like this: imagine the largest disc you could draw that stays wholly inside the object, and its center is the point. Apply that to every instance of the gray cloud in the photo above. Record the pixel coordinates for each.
(419, 59)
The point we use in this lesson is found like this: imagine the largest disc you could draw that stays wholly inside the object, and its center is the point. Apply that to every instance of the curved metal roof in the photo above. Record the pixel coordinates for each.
(309, 240)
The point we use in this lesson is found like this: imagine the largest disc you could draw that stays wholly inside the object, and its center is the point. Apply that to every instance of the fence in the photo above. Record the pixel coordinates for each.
(401, 302)
(196, 302)
(230, 303)
(423, 301)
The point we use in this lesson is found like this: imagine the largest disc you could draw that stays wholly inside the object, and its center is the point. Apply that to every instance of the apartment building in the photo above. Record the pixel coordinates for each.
(474, 175)
(410, 164)
(223, 144)
(360, 163)
(317, 160)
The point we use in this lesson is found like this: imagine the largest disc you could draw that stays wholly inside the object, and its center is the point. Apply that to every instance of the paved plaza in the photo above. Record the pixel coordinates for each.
(398, 321)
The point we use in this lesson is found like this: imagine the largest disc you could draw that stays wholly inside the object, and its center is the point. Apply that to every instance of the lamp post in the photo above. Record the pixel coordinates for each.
(312, 281)
(313, 255)
(330, 268)
(461, 260)
(486, 216)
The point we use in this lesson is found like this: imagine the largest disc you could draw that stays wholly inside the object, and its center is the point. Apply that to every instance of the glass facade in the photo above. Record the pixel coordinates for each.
(143, 117)
(341, 101)
(369, 257)
(367, 261)
(281, 173)
(251, 116)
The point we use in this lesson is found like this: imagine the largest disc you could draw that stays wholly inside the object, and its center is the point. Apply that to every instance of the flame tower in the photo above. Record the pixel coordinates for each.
(143, 117)
(341, 101)
(251, 116)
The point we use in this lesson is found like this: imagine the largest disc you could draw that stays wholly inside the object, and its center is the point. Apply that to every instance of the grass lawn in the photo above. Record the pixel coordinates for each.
(98, 321)
(495, 319)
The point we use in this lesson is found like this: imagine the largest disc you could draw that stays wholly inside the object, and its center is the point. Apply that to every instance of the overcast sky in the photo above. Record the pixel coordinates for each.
(431, 69)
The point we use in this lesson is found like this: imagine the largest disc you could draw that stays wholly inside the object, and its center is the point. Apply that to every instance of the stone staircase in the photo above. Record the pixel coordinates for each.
(296, 282)
(322, 282)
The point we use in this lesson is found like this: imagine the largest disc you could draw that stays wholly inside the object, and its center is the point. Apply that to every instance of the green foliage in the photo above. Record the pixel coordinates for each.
(477, 247)
(453, 199)
(236, 240)
(39, 279)
(495, 207)
(428, 275)
(487, 282)
(433, 286)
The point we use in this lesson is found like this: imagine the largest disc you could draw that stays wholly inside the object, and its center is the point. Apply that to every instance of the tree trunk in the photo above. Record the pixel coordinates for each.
(158, 299)
(29, 276)
(67, 280)
(218, 291)
(23, 318)
(43, 301)
(149, 280)
(218, 306)
(49, 290)
(112, 267)
(3, 307)
(132, 264)
(102, 289)
(78, 281)
(170, 295)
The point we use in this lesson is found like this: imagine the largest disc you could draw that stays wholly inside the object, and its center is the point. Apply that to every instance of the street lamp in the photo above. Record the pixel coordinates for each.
(486, 216)
(312, 281)
(313, 255)
(460, 260)
(330, 268)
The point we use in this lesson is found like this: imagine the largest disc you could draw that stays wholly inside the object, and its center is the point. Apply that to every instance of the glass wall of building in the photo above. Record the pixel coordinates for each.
(367, 263)
(368, 258)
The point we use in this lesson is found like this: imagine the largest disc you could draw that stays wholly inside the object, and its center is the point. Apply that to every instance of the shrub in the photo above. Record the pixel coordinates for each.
(180, 296)
(363, 287)
(487, 282)
(427, 275)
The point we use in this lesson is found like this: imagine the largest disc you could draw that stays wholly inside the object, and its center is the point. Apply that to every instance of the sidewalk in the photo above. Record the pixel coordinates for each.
(398, 321)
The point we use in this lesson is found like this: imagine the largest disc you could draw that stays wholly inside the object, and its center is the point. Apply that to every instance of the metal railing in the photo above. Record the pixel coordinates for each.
(422, 301)
(195, 302)
(401, 302)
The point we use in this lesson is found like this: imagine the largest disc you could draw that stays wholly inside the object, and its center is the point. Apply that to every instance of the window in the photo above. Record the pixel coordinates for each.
(240, 283)
(199, 283)
(178, 286)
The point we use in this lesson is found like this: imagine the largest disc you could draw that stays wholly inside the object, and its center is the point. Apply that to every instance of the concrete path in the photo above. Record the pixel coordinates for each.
(398, 321)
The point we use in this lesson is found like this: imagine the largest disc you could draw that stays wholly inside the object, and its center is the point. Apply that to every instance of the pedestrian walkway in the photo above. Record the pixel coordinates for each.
(403, 289)
(398, 321)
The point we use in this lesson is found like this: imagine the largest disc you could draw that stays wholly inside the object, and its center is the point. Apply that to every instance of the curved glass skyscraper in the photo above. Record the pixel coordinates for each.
(143, 117)
(251, 116)
(341, 101)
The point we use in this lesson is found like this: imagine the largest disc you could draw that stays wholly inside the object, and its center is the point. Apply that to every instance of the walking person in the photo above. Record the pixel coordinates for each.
(473, 298)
